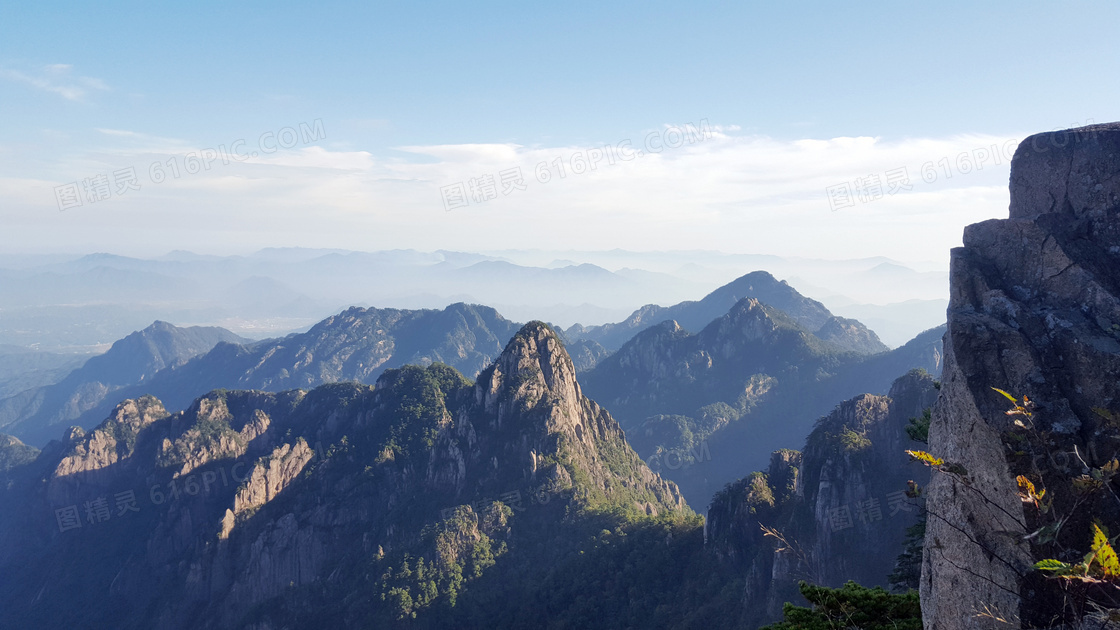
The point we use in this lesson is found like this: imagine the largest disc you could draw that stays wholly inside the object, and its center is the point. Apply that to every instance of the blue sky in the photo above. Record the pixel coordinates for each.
(417, 96)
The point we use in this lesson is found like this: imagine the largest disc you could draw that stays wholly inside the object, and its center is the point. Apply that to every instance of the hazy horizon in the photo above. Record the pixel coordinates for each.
(826, 134)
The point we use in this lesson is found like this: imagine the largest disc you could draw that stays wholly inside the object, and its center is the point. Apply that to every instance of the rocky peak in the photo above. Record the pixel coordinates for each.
(532, 389)
(763, 286)
(537, 352)
(14, 453)
(1034, 310)
(534, 368)
(144, 352)
(112, 441)
(846, 334)
(751, 324)
(748, 316)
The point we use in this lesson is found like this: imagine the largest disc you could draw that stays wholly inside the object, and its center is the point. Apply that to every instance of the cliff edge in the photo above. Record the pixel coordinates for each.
(1034, 310)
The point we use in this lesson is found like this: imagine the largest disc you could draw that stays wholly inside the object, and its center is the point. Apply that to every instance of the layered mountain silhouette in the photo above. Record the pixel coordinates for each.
(36, 414)
(427, 500)
(23, 368)
(358, 344)
(846, 334)
(751, 380)
(708, 404)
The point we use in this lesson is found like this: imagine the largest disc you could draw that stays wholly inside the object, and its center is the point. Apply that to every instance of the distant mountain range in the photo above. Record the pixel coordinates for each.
(84, 302)
(846, 334)
(361, 343)
(23, 368)
(356, 345)
(100, 297)
(35, 414)
(748, 383)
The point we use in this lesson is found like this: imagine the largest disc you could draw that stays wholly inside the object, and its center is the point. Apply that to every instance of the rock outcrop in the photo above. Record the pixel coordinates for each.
(1034, 310)
(840, 503)
(534, 382)
(14, 453)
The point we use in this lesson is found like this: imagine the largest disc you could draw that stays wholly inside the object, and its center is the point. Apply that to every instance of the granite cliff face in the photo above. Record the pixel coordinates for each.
(840, 502)
(1034, 310)
(285, 509)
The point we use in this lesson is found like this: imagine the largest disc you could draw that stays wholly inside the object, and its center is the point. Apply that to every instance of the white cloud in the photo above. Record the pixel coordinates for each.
(57, 79)
(732, 193)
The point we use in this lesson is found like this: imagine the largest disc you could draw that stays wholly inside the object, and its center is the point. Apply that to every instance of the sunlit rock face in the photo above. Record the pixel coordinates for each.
(1034, 310)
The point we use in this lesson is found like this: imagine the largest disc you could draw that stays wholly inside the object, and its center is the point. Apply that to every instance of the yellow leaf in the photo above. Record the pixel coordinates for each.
(1105, 554)
(926, 458)
(1008, 396)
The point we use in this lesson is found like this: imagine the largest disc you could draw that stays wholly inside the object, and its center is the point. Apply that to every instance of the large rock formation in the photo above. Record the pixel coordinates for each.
(1034, 310)
(840, 503)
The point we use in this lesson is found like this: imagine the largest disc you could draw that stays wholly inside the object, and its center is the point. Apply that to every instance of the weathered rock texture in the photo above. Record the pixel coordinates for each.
(1034, 310)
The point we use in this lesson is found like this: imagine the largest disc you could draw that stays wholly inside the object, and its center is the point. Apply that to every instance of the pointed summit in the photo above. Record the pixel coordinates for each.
(532, 392)
(537, 349)
(845, 334)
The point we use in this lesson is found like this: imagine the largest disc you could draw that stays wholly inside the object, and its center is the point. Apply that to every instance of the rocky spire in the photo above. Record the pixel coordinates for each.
(532, 390)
